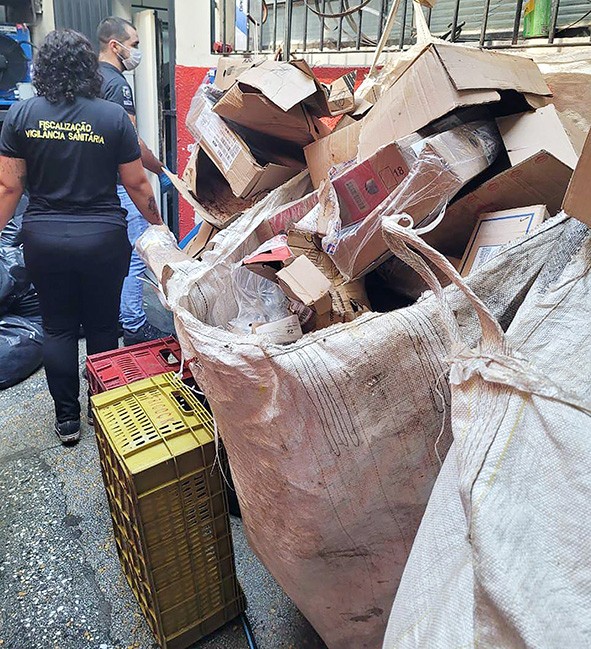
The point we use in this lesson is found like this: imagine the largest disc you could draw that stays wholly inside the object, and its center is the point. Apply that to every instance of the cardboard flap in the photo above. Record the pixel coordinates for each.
(541, 179)
(230, 68)
(302, 281)
(184, 190)
(577, 202)
(526, 134)
(269, 258)
(284, 84)
(470, 68)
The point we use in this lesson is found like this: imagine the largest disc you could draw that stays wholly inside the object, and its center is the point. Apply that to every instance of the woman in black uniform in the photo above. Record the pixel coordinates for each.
(67, 146)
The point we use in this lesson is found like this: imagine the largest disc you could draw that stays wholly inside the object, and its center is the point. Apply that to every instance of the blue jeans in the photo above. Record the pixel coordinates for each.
(131, 312)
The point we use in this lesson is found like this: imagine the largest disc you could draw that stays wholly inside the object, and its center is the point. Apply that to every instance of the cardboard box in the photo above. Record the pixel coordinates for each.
(269, 258)
(539, 180)
(338, 147)
(302, 281)
(288, 84)
(363, 187)
(494, 229)
(577, 202)
(246, 177)
(248, 107)
(200, 241)
(545, 129)
(444, 77)
(229, 68)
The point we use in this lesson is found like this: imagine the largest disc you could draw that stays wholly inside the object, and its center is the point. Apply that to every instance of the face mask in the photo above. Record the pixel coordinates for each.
(134, 58)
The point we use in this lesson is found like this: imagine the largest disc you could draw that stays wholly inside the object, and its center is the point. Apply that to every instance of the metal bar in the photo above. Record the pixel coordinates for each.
(454, 22)
(552, 32)
(288, 20)
(358, 42)
(322, 26)
(172, 121)
(305, 38)
(484, 22)
(247, 12)
(212, 23)
(224, 30)
(340, 35)
(381, 21)
(403, 25)
(274, 25)
(261, 15)
(429, 11)
(516, 21)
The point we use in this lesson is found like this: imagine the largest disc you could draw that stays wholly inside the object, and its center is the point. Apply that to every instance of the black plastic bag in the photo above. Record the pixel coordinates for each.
(12, 234)
(27, 306)
(20, 349)
(14, 280)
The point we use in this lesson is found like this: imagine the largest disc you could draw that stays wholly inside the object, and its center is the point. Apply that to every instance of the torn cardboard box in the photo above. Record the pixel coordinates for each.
(442, 78)
(229, 68)
(361, 188)
(494, 229)
(287, 84)
(545, 129)
(541, 179)
(247, 177)
(302, 281)
(577, 202)
(338, 147)
(200, 242)
(250, 108)
(269, 258)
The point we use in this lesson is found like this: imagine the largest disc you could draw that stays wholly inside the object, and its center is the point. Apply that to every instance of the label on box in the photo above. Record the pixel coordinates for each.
(287, 330)
(219, 138)
(483, 254)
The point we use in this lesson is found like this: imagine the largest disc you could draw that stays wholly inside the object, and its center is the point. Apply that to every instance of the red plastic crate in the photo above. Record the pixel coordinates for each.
(125, 365)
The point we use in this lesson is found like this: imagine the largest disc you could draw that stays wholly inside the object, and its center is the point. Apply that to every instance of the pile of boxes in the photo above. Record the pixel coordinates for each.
(166, 491)
(464, 141)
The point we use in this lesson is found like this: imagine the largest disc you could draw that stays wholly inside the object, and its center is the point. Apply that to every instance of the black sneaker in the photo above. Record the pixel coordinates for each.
(142, 335)
(90, 415)
(68, 432)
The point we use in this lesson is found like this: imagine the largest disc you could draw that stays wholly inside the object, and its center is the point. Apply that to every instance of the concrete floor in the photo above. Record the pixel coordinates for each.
(61, 586)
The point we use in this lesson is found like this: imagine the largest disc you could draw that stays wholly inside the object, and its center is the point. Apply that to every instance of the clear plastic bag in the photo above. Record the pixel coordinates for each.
(259, 300)
(445, 163)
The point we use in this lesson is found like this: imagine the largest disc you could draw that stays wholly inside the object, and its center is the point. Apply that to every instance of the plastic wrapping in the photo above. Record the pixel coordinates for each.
(445, 163)
(258, 299)
(21, 350)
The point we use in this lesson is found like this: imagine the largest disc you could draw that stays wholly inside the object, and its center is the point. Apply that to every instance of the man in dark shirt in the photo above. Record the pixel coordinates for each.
(119, 51)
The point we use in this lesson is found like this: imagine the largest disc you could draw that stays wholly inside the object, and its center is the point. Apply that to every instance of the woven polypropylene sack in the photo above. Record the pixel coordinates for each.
(500, 560)
(332, 440)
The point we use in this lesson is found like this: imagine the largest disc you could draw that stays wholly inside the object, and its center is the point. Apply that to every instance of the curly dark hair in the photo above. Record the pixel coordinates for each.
(66, 67)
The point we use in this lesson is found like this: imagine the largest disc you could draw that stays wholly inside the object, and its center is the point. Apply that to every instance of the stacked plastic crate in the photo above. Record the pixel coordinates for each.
(166, 493)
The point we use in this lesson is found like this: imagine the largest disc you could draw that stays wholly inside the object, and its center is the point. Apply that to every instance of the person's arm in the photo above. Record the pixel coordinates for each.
(149, 160)
(133, 178)
(13, 175)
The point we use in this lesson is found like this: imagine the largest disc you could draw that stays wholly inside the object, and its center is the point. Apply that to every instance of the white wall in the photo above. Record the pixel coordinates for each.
(44, 24)
(192, 19)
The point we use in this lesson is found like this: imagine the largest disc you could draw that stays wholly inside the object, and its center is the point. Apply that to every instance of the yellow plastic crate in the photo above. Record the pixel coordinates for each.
(169, 507)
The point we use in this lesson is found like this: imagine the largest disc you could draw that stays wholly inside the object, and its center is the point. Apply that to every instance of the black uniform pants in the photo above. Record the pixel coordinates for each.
(78, 270)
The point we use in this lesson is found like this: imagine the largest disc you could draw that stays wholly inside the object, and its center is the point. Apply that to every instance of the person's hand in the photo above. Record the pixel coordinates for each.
(165, 183)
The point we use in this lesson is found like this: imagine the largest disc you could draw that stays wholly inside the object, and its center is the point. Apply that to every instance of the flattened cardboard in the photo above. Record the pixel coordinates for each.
(545, 129)
(338, 147)
(229, 68)
(577, 202)
(442, 78)
(302, 281)
(541, 179)
(284, 84)
(363, 187)
(494, 229)
(310, 245)
(250, 108)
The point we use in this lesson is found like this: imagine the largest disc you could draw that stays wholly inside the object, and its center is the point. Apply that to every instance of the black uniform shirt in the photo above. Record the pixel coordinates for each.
(115, 87)
(72, 152)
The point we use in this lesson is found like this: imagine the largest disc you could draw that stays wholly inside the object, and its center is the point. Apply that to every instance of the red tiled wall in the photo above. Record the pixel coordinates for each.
(188, 80)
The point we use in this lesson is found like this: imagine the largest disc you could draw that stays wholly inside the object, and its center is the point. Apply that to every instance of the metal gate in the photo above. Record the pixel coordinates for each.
(81, 15)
